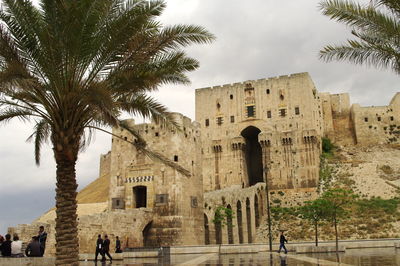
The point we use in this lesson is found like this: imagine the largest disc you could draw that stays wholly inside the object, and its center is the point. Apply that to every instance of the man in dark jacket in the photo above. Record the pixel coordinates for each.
(6, 247)
(34, 248)
(99, 248)
(282, 241)
(42, 237)
(106, 248)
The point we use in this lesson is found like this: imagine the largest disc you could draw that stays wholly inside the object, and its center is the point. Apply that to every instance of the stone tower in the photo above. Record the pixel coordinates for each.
(174, 197)
(267, 127)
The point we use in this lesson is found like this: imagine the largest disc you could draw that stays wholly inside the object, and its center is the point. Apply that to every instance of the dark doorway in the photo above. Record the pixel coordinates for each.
(146, 233)
(253, 155)
(230, 226)
(239, 221)
(206, 231)
(248, 214)
(140, 196)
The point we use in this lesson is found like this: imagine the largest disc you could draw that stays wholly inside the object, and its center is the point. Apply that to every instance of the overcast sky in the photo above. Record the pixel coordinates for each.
(255, 39)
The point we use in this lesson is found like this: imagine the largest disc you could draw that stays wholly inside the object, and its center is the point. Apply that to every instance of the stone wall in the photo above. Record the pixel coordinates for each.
(128, 225)
(377, 125)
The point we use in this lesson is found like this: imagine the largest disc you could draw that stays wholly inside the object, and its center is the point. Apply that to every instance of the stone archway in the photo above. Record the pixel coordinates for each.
(229, 226)
(248, 215)
(146, 233)
(239, 216)
(253, 155)
(206, 231)
(256, 211)
(218, 232)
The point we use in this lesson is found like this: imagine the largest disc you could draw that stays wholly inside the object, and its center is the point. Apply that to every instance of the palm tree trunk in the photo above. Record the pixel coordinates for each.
(67, 245)
(316, 234)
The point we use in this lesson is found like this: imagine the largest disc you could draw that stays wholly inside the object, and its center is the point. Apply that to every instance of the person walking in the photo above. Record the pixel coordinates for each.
(34, 249)
(6, 247)
(16, 247)
(282, 241)
(118, 246)
(106, 248)
(99, 248)
(42, 237)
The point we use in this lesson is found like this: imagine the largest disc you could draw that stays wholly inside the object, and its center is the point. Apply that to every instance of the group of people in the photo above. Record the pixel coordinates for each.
(13, 248)
(103, 247)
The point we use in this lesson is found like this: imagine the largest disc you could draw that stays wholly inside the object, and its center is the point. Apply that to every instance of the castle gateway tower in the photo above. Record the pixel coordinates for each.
(261, 128)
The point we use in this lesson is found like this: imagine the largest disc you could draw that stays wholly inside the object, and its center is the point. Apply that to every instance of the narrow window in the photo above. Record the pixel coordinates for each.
(282, 112)
(268, 91)
(117, 203)
(219, 121)
(232, 119)
(366, 119)
(379, 118)
(391, 118)
(156, 134)
(207, 122)
(175, 158)
(250, 111)
(231, 96)
(269, 114)
(297, 110)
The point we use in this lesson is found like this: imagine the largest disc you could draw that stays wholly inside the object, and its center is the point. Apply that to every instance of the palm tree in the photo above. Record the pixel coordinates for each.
(376, 27)
(71, 67)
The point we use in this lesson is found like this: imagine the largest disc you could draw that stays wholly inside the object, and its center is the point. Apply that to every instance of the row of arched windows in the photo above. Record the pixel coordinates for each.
(239, 228)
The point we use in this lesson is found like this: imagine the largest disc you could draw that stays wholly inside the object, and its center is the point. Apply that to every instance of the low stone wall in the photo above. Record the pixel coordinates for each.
(323, 249)
(127, 224)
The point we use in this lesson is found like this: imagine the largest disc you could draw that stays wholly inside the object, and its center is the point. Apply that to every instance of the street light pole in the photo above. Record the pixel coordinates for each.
(268, 209)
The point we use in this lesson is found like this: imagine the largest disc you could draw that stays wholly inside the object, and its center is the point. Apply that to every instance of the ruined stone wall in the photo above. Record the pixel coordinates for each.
(377, 125)
(105, 164)
(287, 113)
(338, 122)
(326, 105)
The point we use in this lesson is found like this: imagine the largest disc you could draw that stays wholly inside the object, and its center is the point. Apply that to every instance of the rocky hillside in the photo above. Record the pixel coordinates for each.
(374, 174)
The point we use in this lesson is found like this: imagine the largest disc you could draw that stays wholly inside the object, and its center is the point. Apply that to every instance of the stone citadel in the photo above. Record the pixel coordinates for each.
(243, 134)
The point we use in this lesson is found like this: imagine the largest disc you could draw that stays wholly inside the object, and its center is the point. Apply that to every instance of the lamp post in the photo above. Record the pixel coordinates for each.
(268, 209)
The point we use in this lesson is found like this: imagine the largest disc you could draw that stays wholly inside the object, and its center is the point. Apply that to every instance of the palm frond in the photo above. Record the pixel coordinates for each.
(40, 136)
(148, 107)
(11, 112)
(376, 28)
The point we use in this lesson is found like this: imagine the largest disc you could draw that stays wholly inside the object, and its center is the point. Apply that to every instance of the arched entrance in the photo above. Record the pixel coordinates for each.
(218, 232)
(256, 211)
(146, 233)
(248, 214)
(139, 197)
(253, 155)
(206, 231)
(230, 226)
(239, 221)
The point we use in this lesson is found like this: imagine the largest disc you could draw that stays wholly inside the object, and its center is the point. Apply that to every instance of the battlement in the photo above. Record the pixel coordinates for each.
(256, 81)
